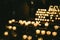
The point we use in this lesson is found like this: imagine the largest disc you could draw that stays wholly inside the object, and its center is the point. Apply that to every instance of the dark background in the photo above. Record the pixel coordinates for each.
(21, 9)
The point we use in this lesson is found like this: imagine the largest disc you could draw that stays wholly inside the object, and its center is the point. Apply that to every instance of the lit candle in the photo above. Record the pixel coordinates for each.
(42, 32)
(14, 28)
(37, 31)
(24, 36)
(48, 32)
(54, 33)
(40, 38)
(29, 38)
(6, 33)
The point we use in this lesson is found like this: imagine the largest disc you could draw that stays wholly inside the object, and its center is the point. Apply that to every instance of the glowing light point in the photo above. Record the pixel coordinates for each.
(54, 33)
(47, 20)
(14, 28)
(29, 22)
(56, 18)
(29, 38)
(6, 33)
(26, 24)
(35, 24)
(9, 27)
(21, 22)
(13, 20)
(56, 15)
(42, 32)
(14, 35)
(24, 36)
(40, 38)
(37, 31)
(32, 22)
(10, 22)
(52, 20)
(46, 24)
(56, 27)
(32, 2)
(48, 32)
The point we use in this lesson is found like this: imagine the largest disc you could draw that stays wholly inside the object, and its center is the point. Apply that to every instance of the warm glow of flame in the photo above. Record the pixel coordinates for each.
(24, 36)
(54, 33)
(6, 33)
(13, 20)
(46, 24)
(10, 22)
(29, 38)
(14, 28)
(42, 32)
(40, 38)
(9, 27)
(48, 32)
(37, 31)
(56, 27)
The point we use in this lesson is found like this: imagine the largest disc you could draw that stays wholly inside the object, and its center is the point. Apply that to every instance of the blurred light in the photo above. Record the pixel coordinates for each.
(36, 19)
(32, 2)
(54, 33)
(38, 9)
(10, 22)
(9, 27)
(50, 17)
(26, 24)
(58, 18)
(47, 12)
(13, 20)
(58, 10)
(24, 36)
(6, 33)
(42, 32)
(21, 22)
(40, 38)
(37, 12)
(39, 24)
(37, 31)
(14, 28)
(59, 13)
(32, 22)
(48, 32)
(50, 8)
(29, 37)
(39, 16)
(35, 24)
(44, 17)
(29, 22)
(56, 27)
(24, 21)
(47, 20)
(52, 20)
(46, 24)
(14, 35)
(56, 15)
